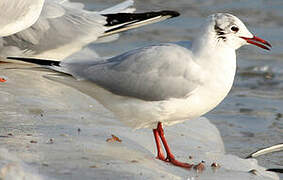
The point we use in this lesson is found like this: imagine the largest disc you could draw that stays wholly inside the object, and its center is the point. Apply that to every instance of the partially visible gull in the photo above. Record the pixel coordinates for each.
(64, 27)
(17, 15)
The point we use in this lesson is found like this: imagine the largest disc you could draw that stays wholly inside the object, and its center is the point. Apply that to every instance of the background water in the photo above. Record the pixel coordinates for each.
(251, 116)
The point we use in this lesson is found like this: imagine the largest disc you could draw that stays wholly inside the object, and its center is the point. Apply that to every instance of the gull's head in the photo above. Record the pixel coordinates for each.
(231, 31)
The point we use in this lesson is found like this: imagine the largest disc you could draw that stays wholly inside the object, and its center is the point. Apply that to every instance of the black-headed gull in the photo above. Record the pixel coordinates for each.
(64, 27)
(165, 83)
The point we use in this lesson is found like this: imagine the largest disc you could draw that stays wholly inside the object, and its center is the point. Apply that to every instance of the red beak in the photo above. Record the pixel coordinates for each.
(258, 42)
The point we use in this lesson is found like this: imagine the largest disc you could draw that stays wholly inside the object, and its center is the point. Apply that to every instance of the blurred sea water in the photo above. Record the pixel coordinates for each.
(251, 116)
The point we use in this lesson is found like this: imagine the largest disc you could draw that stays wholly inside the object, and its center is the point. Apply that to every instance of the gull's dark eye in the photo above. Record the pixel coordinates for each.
(235, 28)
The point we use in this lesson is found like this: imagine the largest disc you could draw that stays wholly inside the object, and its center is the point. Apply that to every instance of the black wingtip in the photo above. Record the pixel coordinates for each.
(277, 170)
(120, 18)
(171, 13)
(43, 62)
(249, 156)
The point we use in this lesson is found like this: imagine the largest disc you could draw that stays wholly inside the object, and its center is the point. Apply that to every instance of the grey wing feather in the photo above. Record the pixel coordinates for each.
(152, 73)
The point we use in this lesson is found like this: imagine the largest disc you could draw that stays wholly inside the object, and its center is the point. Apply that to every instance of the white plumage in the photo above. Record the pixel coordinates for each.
(164, 83)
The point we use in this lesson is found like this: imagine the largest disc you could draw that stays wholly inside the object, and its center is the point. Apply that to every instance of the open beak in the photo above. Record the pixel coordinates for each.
(258, 42)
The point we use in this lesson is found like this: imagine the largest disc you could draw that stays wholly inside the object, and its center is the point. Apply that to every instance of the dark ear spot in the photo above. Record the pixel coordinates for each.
(218, 30)
(220, 33)
(222, 37)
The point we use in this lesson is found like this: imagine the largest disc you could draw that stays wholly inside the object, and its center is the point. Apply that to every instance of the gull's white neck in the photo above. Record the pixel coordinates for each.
(214, 55)
(207, 45)
(218, 63)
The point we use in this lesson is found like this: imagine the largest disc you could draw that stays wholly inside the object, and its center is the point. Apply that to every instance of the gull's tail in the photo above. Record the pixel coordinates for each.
(124, 21)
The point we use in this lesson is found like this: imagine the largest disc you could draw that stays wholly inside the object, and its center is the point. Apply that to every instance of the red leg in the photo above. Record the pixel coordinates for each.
(160, 154)
(170, 156)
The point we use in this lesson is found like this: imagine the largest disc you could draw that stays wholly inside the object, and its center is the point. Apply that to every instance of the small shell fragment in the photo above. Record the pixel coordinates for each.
(200, 166)
(215, 165)
(50, 141)
(253, 171)
(113, 139)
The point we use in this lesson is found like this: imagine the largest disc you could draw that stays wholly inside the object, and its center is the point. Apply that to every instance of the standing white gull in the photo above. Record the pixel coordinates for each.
(166, 83)
(64, 27)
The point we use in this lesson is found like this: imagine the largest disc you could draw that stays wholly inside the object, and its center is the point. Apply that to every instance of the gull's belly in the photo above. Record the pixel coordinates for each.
(143, 114)
(202, 100)
(194, 106)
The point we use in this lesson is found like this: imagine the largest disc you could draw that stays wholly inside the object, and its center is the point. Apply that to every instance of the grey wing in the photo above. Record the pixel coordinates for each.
(17, 15)
(153, 73)
(60, 31)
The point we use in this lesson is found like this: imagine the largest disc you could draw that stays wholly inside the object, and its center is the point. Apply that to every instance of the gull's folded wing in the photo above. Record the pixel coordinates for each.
(153, 73)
